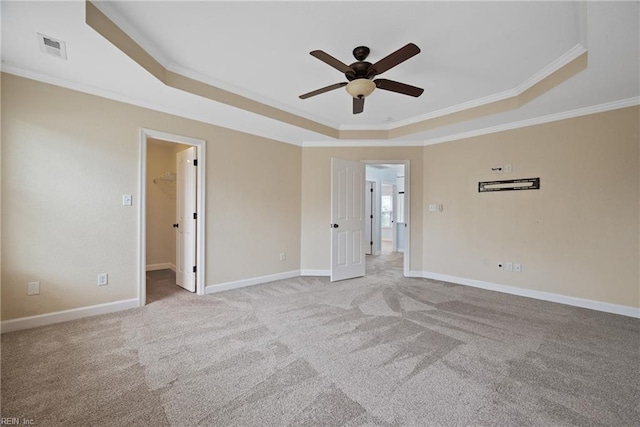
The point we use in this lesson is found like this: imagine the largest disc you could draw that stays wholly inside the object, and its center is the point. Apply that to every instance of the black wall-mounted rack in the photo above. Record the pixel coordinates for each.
(509, 185)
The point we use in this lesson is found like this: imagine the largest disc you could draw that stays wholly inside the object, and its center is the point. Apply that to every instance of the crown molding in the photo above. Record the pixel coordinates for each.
(190, 81)
(572, 54)
(103, 25)
(247, 94)
(363, 143)
(120, 97)
(116, 96)
(600, 108)
(560, 62)
(107, 8)
(153, 50)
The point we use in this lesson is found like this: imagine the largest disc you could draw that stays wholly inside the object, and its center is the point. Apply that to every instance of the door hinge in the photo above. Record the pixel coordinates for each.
(195, 162)
(195, 268)
(371, 216)
(371, 190)
(195, 215)
(371, 243)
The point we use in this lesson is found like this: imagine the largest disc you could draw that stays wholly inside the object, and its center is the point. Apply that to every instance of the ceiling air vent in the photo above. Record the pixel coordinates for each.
(52, 46)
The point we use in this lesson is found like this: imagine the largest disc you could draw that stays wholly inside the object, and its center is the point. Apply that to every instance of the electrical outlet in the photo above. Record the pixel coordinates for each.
(103, 279)
(33, 288)
(509, 266)
(283, 256)
(433, 207)
(500, 266)
(507, 168)
(517, 268)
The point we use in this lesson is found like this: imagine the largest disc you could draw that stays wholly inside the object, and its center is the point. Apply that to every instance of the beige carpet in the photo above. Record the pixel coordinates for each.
(376, 351)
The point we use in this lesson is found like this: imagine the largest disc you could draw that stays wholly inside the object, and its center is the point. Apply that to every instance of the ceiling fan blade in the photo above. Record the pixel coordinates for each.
(393, 59)
(398, 87)
(358, 105)
(323, 90)
(330, 60)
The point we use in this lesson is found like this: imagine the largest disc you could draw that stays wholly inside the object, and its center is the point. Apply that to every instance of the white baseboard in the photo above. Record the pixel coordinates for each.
(321, 273)
(161, 266)
(221, 287)
(540, 295)
(66, 315)
(416, 274)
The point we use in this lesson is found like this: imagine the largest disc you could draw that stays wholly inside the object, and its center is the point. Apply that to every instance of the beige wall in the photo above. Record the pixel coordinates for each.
(68, 157)
(316, 199)
(67, 160)
(576, 236)
(257, 209)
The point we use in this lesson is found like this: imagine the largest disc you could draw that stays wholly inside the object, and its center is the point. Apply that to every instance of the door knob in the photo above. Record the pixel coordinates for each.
(335, 225)
(176, 225)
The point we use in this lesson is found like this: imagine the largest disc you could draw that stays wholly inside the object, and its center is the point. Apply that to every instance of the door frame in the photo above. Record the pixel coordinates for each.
(200, 145)
(371, 200)
(407, 208)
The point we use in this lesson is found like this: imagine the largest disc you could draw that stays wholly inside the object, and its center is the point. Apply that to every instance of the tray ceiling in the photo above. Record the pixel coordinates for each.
(472, 53)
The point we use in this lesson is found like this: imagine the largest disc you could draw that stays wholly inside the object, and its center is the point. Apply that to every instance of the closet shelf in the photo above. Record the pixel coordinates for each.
(167, 176)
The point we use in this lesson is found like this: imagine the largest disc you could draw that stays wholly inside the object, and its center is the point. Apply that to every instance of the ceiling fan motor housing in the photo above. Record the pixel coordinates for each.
(360, 84)
(360, 70)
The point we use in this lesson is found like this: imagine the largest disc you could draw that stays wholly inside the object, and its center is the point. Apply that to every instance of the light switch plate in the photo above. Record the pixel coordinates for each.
(33, 288)
(127, 199)
(103, 279)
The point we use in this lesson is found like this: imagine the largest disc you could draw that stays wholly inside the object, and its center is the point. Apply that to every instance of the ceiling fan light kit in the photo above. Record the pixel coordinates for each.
(360, 88)
(360, 74)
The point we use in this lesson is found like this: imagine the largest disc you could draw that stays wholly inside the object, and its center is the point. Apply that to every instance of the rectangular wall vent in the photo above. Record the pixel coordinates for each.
(52, 46)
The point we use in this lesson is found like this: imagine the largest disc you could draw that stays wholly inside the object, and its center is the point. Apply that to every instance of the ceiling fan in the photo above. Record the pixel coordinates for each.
(360, 74)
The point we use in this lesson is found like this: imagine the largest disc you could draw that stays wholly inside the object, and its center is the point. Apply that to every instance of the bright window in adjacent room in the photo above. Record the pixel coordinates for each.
(386, 211)
(400, 208)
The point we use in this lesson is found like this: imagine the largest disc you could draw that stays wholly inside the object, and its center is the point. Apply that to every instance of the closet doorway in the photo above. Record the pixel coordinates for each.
(172, 209)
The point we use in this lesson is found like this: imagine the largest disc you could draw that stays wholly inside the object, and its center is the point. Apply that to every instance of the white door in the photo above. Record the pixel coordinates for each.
(368, 217)
(347, 219)
(394, 218)
(186, 219)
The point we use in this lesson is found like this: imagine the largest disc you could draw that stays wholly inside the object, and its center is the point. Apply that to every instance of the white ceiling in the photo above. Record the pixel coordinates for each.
(470, 51)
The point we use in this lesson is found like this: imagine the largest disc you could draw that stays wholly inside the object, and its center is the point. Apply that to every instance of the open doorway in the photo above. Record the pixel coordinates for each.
(162, 189)
(388, 205)
(356, 226)
(162, 216)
